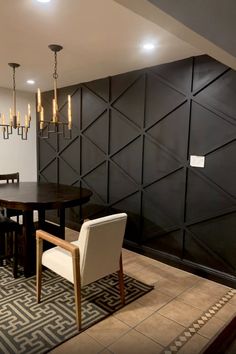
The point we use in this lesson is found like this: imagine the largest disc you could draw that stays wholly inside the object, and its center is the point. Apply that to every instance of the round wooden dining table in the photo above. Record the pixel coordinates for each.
(30, 196)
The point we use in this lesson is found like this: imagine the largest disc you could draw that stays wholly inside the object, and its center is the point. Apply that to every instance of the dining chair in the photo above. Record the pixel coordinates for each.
(9, 233)
(10, 178)
(95, 254)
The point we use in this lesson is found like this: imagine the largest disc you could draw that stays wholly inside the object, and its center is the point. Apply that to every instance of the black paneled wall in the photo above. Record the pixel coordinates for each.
(133, 135)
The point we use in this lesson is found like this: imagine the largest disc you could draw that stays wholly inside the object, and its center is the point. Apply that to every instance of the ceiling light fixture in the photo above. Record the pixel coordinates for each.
(54, 125)
(15, 119)
(43, 0)
(148, 46)
(30, 82)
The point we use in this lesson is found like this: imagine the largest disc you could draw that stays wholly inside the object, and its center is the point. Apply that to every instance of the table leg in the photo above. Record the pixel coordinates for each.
(29, 243)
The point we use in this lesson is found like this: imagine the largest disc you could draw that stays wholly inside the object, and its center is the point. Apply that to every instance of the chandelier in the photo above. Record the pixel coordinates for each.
(54, 125)
(15, 118)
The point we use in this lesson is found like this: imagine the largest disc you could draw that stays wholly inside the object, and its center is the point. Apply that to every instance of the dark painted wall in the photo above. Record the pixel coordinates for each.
(132, 138)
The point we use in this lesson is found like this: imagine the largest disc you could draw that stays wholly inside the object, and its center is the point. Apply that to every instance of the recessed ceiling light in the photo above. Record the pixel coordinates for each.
(43, 0)
(30, 82)
(148, 46)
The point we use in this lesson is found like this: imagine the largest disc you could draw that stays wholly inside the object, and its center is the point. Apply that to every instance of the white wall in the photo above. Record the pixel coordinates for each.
(17, 155)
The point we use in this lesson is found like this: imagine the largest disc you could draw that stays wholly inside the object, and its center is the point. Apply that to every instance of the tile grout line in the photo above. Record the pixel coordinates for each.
(196, 325)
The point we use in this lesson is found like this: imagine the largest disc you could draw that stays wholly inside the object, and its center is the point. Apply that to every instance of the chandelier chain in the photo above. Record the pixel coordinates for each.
(55, 74)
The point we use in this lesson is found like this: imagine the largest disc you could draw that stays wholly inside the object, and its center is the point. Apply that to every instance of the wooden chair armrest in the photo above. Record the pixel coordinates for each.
(40, 234)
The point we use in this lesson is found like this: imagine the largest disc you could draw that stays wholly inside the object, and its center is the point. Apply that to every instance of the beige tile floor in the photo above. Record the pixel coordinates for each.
(152, 323)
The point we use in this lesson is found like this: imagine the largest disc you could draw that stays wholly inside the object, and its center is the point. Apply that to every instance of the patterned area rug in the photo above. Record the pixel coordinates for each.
(28, 327)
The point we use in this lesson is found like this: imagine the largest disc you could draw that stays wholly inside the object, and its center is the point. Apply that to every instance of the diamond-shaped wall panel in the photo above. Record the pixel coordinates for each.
(213, 248)
(125, 159)
(222, 171)
(157, 162)
(161, 99)
(98, 132)
(92, 107)
(131, 103)
(172, 132)
(177, 73)
(91, 156)
(120, 185)
(220, 95)
(206, 69)
(71, 155)
(204, 198)
(208, 130)
(120, 83)
(166, 190)
(122, 131)
(97, 180)
(100, 88)
(131, 205)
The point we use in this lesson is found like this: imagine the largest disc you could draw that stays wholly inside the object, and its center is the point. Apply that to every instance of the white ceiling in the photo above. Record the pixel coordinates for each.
(100, 38)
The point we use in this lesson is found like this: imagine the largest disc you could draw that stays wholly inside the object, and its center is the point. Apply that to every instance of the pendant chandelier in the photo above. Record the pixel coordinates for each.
(54, 125)
(14, 117)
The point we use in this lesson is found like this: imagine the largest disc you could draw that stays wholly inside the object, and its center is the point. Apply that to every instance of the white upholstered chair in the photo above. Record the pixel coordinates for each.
(95, 254)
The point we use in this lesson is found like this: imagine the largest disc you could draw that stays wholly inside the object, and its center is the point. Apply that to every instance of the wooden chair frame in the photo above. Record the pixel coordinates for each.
(75, 253)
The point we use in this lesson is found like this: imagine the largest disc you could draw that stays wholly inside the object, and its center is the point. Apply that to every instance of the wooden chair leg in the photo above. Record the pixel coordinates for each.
(39, 250)
(15, 253)
(121, 282)
(77, 289)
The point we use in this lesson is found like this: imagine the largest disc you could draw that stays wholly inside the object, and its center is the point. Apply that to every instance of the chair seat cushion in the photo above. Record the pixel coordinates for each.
(7, 224)
(60, 261)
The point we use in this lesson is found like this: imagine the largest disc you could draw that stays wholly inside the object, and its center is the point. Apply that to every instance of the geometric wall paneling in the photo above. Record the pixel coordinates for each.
(222, 171)
(132, 135)
(122, 131)
(220, 95)
(212, 234)
(172, 131)
(96, 181)
(131, 102)
(120, 184)
(67, 175)
(131, 205)
(98, 132)
(197, 251)
(120, 83)
(100, 88)
(171, 242)
(161, 99)
(208, 130)
(178, 74)
(63, 93)
(204, 198)
(71, 154)
(50, 172)
(129, 159)
(164, 191)
(156, 162)
(206, 69)
(47, 153)
(96, 206)
(154, 221)
(91, 155)
(92, 107)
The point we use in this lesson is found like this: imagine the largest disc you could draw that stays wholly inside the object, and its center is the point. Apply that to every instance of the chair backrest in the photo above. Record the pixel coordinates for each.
(10, 178)
(100, 242)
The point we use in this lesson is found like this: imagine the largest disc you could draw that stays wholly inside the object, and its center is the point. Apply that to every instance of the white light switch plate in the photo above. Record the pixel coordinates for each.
(197, 161)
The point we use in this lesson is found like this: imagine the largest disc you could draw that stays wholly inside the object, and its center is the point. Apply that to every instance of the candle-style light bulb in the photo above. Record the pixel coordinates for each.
(39, 100)
(41, 125)
(18, 118)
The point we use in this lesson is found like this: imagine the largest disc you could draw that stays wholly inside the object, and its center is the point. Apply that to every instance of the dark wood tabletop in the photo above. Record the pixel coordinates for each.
(30, 196)
(35, 195)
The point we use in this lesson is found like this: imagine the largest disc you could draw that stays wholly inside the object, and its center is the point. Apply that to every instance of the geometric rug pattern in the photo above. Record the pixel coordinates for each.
(28, 327)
